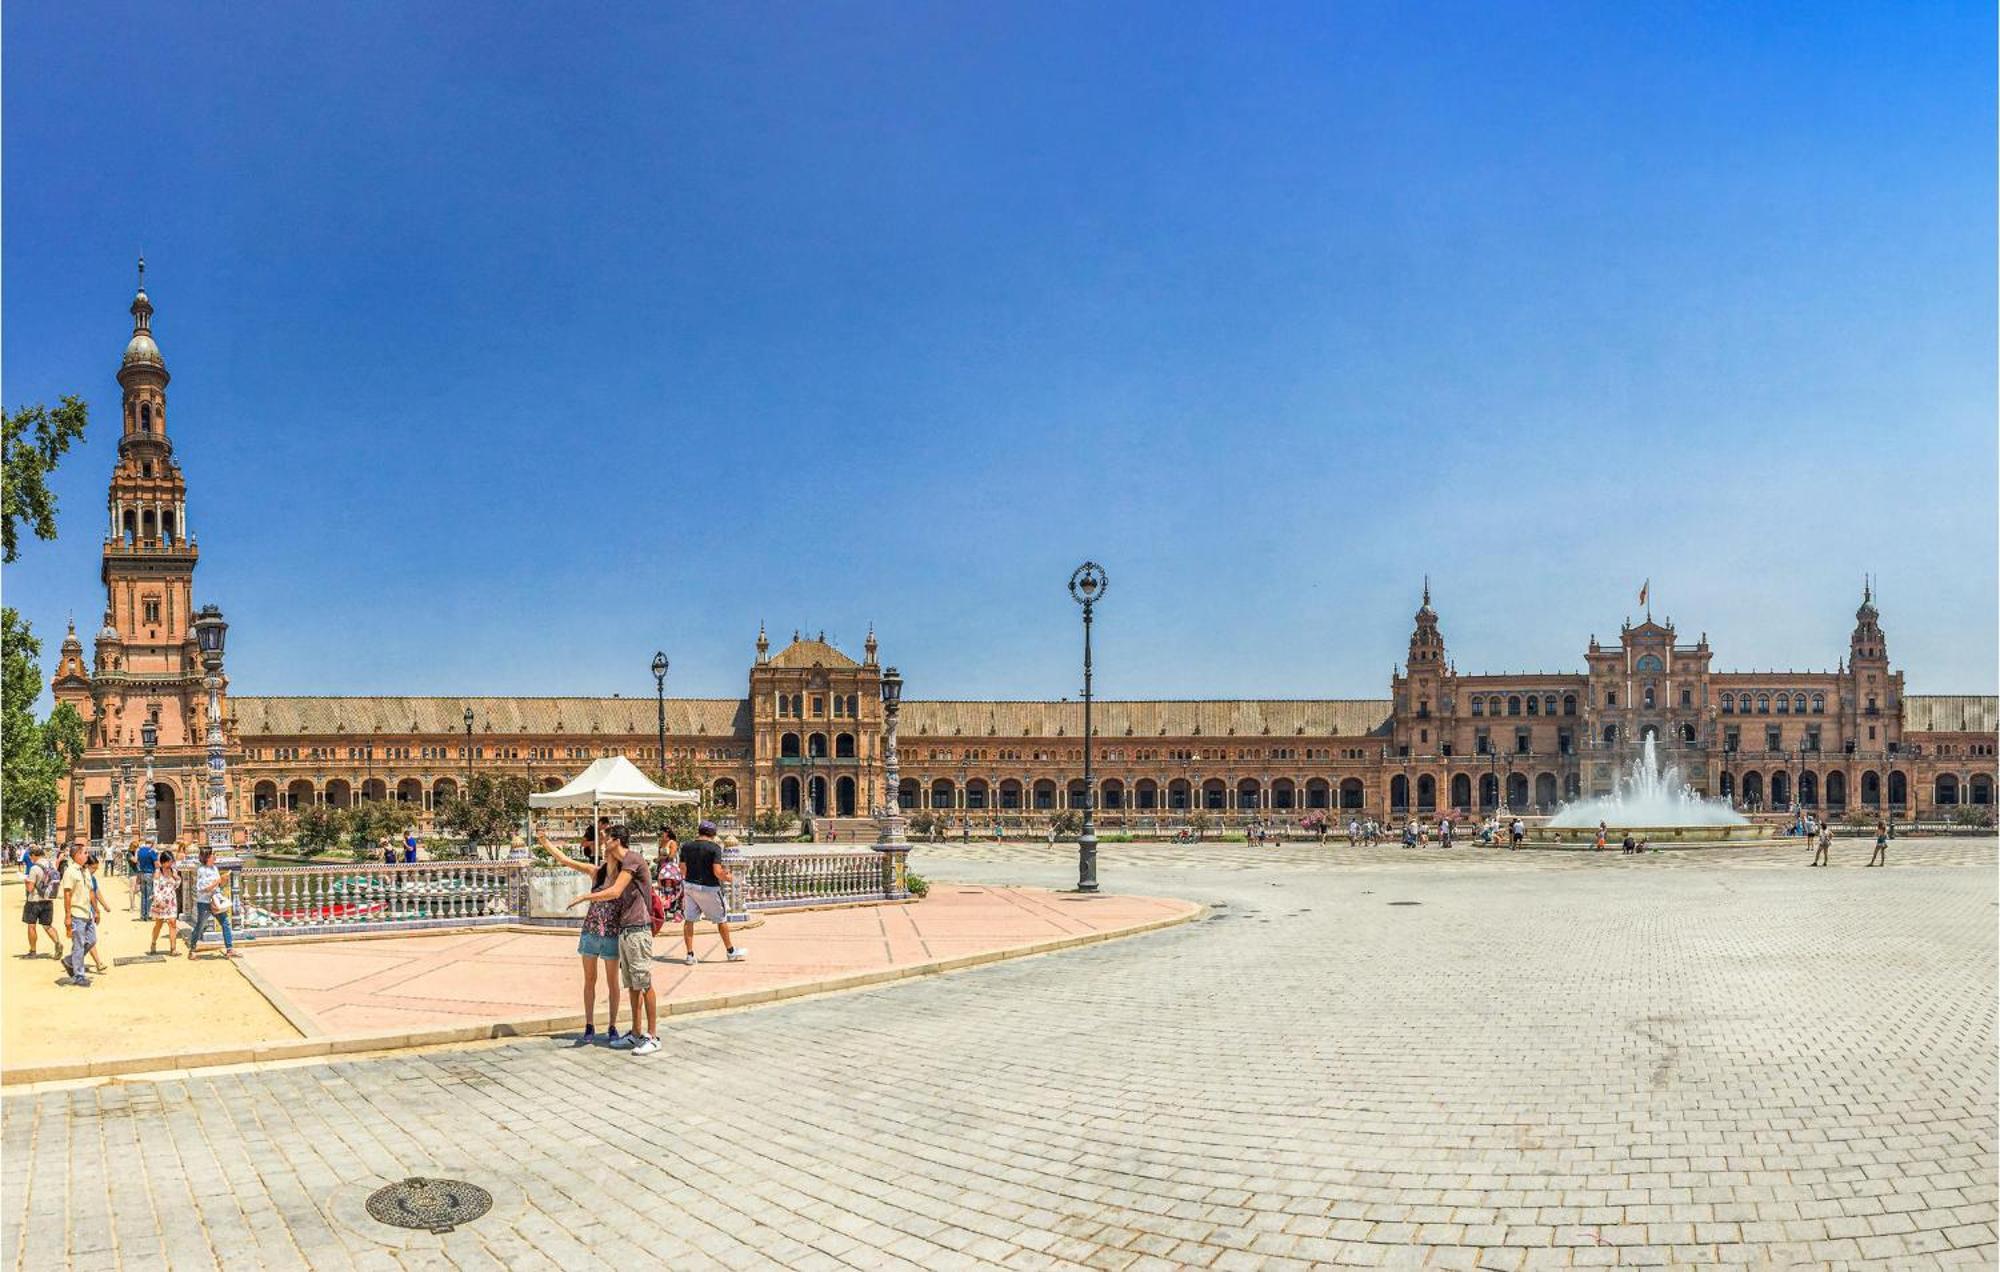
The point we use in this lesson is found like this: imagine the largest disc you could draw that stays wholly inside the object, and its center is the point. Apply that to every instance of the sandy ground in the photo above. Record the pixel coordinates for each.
(140, 1006)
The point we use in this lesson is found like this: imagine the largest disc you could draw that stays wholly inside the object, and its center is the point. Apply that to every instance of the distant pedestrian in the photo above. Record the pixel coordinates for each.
(630, 892)
(1822, 843)
(410, 850)
(1631, 845)
(597, 943)
(210, 902)
(148, 860)
(668, 877)
(701, 894)
(1603, 833)
(99, 908)
(1880, 857)
(39, 910)
(1353, 832)
(79, 917)
(163, 903)
(388, 852)
(1444, 833)
(1516, 833)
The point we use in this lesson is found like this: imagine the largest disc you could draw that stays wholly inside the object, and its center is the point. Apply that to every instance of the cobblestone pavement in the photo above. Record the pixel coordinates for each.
(1488, 1065)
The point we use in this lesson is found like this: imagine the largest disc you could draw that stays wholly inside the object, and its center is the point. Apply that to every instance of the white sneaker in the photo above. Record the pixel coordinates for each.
(690, 960)
(736, 956)
(622, 1042)
(646, 1047)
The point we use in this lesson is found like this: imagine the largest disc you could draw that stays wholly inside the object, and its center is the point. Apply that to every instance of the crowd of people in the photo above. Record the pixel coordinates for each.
(630, 901)
(74, 884)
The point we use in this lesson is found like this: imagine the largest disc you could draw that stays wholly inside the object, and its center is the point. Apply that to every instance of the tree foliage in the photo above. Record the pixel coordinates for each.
(34, 754)
(489, 812)
(35, 440)
(318, 827)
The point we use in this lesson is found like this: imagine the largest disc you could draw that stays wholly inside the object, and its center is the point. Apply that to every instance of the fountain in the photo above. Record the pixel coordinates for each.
(1655, 805)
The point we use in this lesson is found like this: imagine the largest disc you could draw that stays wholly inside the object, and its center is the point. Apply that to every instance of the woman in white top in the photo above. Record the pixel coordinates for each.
(207, 893)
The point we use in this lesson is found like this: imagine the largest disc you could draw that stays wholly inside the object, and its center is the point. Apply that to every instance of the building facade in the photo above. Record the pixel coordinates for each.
(808, 734)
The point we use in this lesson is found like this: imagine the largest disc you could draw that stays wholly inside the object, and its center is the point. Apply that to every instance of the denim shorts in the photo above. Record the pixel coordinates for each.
(591, 945)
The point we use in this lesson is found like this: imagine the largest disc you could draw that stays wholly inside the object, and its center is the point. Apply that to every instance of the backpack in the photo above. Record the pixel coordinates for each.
(659, 909)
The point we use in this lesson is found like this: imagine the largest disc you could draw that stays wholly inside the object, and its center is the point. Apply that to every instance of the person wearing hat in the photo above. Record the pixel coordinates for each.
(701, 894)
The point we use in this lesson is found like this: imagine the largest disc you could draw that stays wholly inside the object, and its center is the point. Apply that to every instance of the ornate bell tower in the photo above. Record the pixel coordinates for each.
(147, 664)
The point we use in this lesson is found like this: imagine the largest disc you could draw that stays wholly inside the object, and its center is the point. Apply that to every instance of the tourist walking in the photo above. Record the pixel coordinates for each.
(210, 902)
(668, 878)
(1821, 844)
(163, 904)
(99, 907)
(39, 910)
(1444, 833)
(1516, 833)
(79, 914)
(1353, 832)
(1603, 833)
(630, 894)
(597, 943)
(1880, 857)
(701, 894)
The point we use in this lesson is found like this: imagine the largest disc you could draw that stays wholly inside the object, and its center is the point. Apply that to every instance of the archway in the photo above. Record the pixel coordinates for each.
(1899, 789)
(409, 791)
(788, 746)
(1399, 793)
(816, 746)
(1284, 794)
(1980, 788)
(1319, 794)
(1545, 792)
(1944, 792)
(1808, 790)
(1836, 790)
(788, 795)
(1753, 788)
(1249, 795)
(375, 790)
(1146, 795)
(1353, 795)
(943, 794)
(263, 797)
(1180, 795)
(298, 794)
(977, 795)
(1214, 795)
(1489, 792)
(166, 812)
(1517, 791)
(723, 793)
(443, 791)
(908, 792)
(1871, 789)
(1726, 786)
(1010, 794)
(339, 793)
(1045, 795)
(816, 794)
(1781, 791)
(1111, 794)
(1572, 787)
(1427, 793)
(843, 746)
(1073, 794)
(1461, 792)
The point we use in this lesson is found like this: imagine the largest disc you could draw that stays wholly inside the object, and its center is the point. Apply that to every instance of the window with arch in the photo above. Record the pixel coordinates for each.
(1532, 704)
(1649, 695)
(1479, 706)
(1763, 704)
(1687, 735)
(1513, 704)
(1819, 704)
(1784, 705)
(1798, 704)
(1549, 705)
(1569, 704)
(1610, 733)
(145, 417)
(1728, 704)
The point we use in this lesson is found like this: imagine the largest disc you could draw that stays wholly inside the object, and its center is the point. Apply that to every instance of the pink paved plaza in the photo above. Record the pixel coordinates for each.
(420, 983)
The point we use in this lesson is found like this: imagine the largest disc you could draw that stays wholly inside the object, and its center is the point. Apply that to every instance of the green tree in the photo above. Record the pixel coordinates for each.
(368, 823)
(272, 827)
(319, 827)
(489, 812)
(35, 440)
(34, 754)
(770, 824)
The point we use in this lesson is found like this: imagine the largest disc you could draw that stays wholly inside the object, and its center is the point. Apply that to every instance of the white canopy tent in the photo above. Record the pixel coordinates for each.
(611, 782)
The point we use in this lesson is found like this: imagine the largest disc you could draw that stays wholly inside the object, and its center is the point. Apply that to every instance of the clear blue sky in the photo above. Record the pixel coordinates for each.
(512, 341)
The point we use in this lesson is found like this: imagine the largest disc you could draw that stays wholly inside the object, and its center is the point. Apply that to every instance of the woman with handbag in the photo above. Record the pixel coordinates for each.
(210, 901)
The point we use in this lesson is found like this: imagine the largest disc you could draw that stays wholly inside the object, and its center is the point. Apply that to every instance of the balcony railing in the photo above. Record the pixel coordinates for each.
(324, 900)
(775, 879)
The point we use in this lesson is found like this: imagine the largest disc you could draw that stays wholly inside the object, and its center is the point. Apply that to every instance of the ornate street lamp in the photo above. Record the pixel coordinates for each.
(660, 693)
(965, 797)
(892, 813)
(466, 794)
(126, 793)
(1086, 588)
(209, 632)
(149, 737)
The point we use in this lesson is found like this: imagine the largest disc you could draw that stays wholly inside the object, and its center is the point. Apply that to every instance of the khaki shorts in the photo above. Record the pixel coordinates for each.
(699, 901)
(635, 957)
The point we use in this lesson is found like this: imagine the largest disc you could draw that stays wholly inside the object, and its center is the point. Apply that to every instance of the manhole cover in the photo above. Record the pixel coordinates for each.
(1406, 903)
(434, 1205)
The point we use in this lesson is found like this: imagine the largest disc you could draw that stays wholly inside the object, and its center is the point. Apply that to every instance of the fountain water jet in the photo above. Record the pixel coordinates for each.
(1653, 804)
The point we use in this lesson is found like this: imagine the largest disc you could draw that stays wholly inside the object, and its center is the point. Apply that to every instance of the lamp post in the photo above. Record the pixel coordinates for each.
(126, 793)
(210, 631)
(660, 694)
(149, 736)
(1086, 587)
(467, 793)
(114, 814)
(806, 810)
(892, 812)
(964, 797)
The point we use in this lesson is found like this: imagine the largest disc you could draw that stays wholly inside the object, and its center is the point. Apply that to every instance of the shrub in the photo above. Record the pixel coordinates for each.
(917, 884)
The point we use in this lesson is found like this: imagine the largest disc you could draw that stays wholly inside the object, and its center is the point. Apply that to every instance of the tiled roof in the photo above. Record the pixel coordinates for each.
(804, 653)
(1949, 713)
(285, 717)
(1352, 717)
